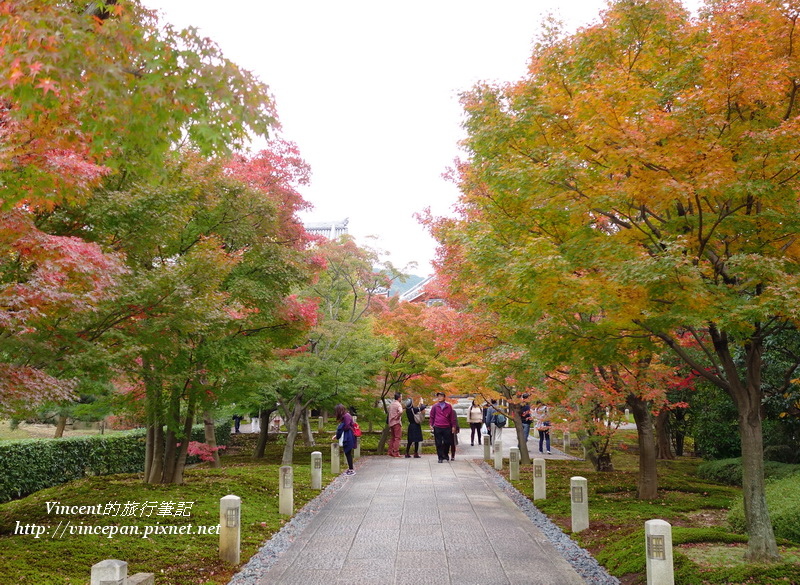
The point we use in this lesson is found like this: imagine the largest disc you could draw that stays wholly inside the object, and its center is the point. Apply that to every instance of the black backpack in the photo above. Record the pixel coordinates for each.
(500, 420)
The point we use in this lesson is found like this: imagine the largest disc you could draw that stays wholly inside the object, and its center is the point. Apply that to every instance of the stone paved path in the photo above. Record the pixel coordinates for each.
(416, 521)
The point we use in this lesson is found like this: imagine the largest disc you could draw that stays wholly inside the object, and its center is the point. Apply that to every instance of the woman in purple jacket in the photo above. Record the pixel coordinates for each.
(345, 429)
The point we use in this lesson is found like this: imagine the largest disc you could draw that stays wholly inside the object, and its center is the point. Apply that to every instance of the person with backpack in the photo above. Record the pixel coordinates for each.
(488, 419)
(444, 425)
(496, 421)
(499, 419)
(415, 416)
(344, 433)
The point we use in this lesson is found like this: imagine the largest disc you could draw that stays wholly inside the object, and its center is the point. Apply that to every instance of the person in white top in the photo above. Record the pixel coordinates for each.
(542, 417)
(475, 420)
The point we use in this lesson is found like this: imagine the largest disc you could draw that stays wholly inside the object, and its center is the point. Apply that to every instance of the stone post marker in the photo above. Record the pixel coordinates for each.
(286, 491)
(498, 455)
(487, 449)
(335, 457)
(110, 572)
(566, 441)
(357, 449)
(230, 528)
(320, 424)
(658, 535)
(539, 479)
(580, 503)
(316, 470)
(513, 463)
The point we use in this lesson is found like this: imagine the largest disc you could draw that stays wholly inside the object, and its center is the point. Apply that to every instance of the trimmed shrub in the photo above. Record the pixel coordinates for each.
(783, 501)
(30, 465)
(729, 471)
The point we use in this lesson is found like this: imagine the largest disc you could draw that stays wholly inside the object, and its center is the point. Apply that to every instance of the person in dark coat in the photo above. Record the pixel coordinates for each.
(345, 432)
(414, 429)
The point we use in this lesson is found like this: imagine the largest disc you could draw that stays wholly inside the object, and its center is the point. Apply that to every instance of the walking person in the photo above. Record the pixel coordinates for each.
(443, 422)
(526, 415)
(455, 439)
(414, 414)
(543, 426)
(488, 418)
(475, 420)
(345, 436)
(498, 420)
(395, 426)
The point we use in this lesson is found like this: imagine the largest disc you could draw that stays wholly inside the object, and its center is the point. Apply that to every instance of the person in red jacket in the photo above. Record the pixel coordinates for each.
(444, 424)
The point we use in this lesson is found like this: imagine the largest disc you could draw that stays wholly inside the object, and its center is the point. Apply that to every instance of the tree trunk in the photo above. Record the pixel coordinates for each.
(747, 395)
(157, 457)
(292, 426)
(382, 440)
(308, 436)
(761, 545)
(62, 423)
(600, 461)
(171, 439)
(148, 452)
(524, 456)
(648, 473)
(663, 443)
(154, 446)
(180, 458)
(263, 434)
(680, 435)
(211, 438)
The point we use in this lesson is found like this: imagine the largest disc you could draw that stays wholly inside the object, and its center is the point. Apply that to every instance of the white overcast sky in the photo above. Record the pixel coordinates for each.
(368, 89)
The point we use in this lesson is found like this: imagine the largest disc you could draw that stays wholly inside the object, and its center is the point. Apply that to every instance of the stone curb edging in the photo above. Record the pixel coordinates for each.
(579, 558)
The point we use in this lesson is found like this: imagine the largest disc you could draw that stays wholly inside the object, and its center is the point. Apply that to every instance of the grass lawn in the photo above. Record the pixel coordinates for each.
(39, 431)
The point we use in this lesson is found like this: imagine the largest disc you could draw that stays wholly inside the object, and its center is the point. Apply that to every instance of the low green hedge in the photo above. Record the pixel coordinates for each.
(729, 471)
(783, 502)
(30, 465)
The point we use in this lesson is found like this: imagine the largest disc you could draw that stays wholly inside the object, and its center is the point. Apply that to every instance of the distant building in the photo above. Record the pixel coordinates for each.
(328, 229)
(420, 294)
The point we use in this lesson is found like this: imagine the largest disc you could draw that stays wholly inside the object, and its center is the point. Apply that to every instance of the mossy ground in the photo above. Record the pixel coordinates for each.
(176, 559)
(706, 550)
(697, 510)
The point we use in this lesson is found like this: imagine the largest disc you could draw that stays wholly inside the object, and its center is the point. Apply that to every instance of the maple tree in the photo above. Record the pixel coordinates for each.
(646, 170)
(87, 95)
(83, 93)
(416, 363)
(48, 284)
(341, 353)
(212, 254)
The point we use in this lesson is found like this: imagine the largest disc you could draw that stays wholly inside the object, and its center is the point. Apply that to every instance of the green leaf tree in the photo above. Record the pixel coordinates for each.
(341, 355)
